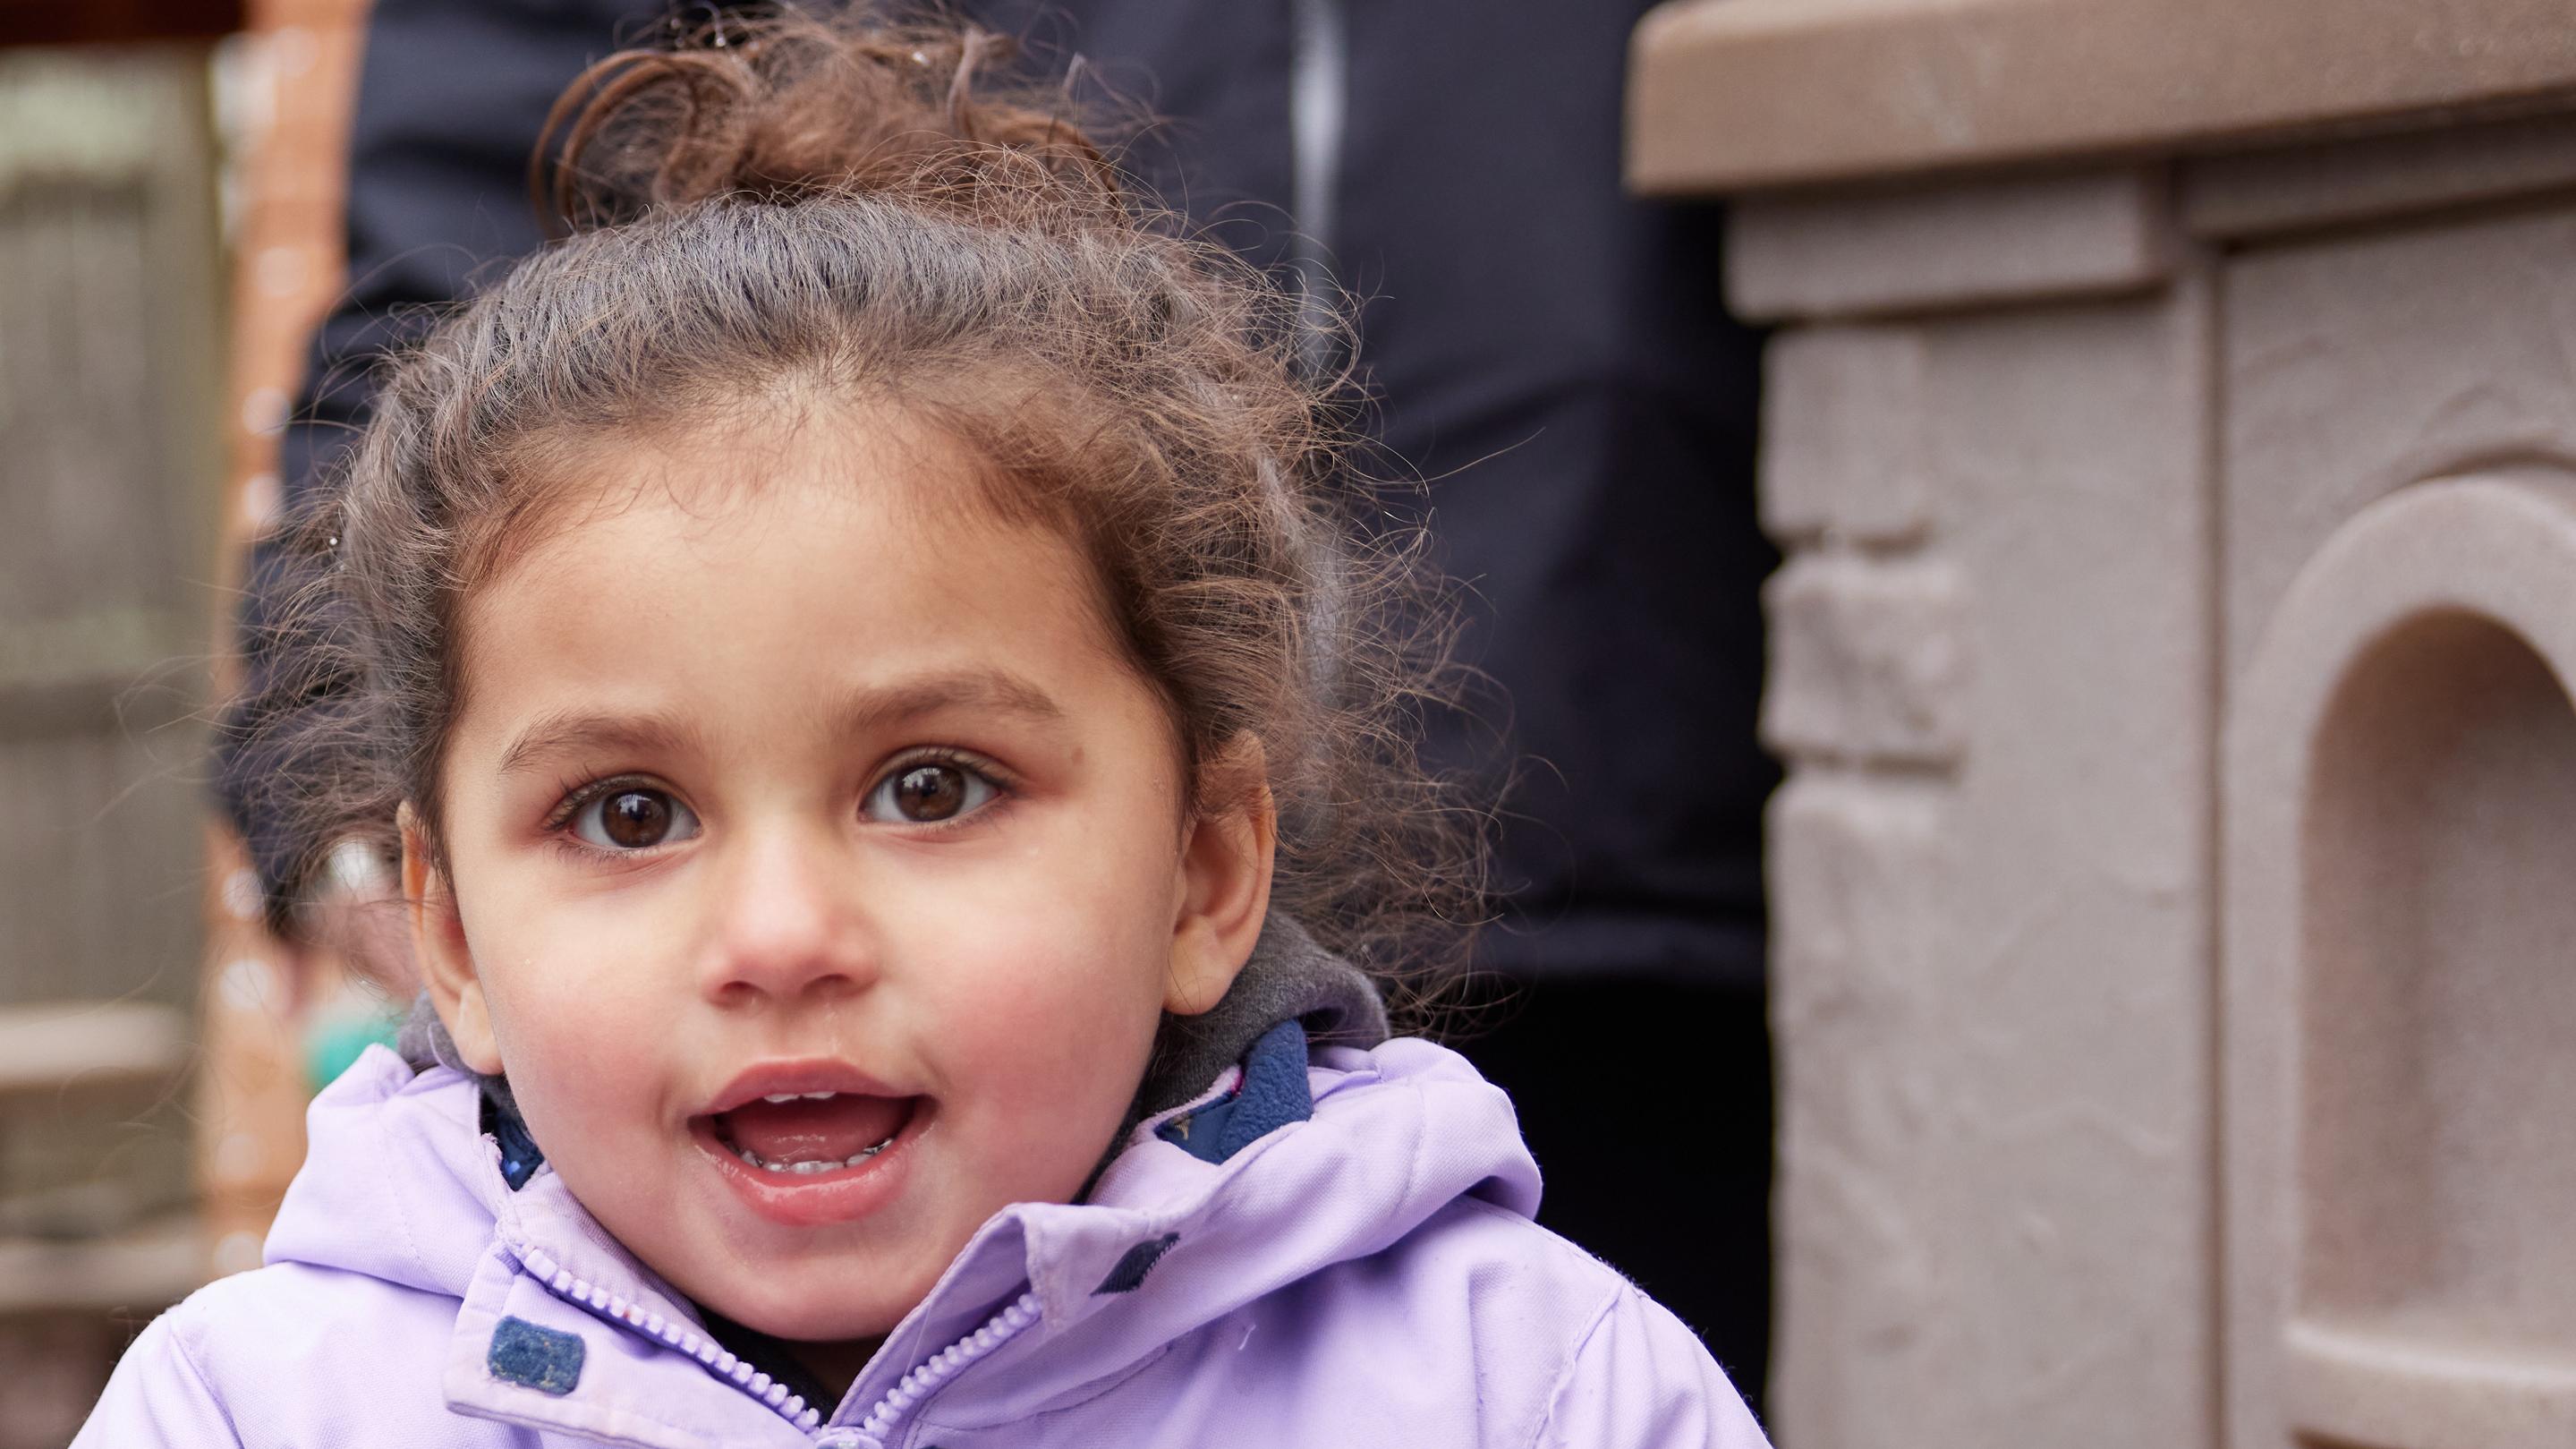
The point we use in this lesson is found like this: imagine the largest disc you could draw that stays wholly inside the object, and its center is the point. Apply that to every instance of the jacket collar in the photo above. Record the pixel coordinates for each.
(400, 1186)
(646, 1370)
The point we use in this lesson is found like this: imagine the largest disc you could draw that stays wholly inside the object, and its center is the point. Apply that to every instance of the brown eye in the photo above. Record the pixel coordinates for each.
(633, 818)
(930, 792)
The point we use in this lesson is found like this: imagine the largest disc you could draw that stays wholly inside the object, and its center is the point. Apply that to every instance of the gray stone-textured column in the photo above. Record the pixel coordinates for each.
(2172, 434)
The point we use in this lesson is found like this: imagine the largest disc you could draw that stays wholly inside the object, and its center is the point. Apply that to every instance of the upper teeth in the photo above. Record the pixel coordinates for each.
(798, 1096)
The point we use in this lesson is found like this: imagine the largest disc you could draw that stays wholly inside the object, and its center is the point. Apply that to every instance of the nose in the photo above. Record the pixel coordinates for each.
(786, 920)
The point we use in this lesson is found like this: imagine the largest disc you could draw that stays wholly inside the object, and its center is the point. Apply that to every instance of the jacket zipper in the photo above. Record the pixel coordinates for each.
(917, 1384)
(876, 1431)
(718, 1360)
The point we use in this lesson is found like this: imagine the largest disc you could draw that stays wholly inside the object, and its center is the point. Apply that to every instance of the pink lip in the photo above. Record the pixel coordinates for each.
(799, 1200)
(807, 1074)
(803, 1200)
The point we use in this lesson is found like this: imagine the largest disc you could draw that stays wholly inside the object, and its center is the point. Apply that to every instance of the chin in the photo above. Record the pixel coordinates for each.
(821, 1308)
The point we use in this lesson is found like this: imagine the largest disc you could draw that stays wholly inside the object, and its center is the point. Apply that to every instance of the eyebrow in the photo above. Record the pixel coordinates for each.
(993, 691)
(862, 711)
(565, 733)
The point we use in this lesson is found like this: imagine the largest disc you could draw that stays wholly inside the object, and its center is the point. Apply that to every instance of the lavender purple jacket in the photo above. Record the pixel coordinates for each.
(1367, 1276)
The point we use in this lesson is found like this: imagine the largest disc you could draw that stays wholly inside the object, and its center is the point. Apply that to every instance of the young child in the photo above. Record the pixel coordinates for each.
(900, 777)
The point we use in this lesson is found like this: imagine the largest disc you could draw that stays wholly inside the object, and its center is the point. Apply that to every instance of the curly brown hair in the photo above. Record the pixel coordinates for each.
(867, 205)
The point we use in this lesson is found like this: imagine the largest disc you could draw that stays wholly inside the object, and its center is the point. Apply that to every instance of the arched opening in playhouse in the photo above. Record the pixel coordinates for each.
(2437, 1002)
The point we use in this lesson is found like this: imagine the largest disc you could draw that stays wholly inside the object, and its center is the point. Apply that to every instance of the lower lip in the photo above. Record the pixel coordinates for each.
(807, 1200)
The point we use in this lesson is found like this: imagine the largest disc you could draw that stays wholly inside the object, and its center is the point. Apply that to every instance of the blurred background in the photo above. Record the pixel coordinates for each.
(169, 232)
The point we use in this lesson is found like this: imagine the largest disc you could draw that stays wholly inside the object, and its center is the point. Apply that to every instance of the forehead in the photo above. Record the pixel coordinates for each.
(804, 559)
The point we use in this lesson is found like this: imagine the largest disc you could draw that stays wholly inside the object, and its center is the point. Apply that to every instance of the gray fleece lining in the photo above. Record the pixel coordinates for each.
(1288, 975)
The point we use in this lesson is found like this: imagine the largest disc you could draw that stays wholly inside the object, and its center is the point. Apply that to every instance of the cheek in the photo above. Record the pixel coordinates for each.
(1046, 977)
(570, 994)
(1075, 926)
(1048, 999)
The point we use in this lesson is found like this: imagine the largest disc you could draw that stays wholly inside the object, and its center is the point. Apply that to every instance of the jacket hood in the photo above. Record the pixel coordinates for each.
(400, 1185)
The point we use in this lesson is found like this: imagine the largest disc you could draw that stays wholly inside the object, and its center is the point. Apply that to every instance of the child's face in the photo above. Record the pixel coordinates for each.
(806, 787)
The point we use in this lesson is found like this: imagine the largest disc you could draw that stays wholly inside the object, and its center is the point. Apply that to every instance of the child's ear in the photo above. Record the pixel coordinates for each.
(438, 944)
(1224, 878)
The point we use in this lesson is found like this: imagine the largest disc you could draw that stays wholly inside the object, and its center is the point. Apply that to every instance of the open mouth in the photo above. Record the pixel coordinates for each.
(809, 1134)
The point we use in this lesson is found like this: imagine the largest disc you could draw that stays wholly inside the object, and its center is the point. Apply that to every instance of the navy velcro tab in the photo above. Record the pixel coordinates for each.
(544, 1359)
(1273, 1095)
(1135, 1263)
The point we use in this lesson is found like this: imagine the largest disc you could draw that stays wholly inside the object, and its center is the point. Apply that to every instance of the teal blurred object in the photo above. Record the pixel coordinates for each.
(338, 1037)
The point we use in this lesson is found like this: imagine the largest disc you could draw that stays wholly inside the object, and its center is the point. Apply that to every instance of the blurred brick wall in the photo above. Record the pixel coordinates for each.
(289, 263)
